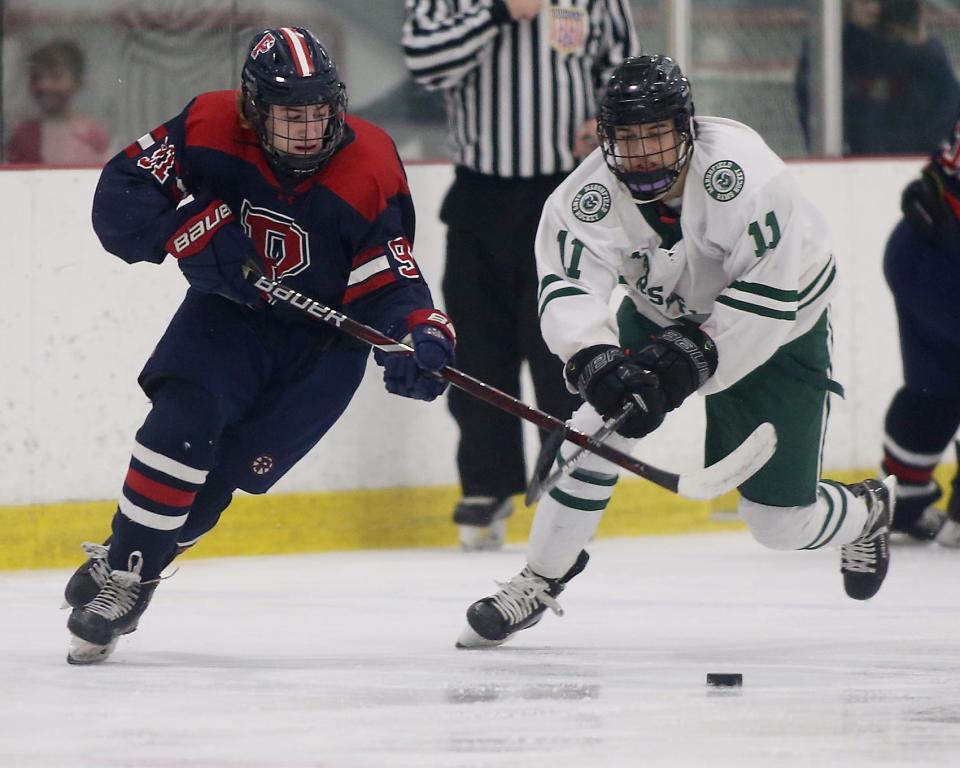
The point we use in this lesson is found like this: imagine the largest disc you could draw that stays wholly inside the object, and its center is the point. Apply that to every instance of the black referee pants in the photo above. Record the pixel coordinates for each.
(490, 290)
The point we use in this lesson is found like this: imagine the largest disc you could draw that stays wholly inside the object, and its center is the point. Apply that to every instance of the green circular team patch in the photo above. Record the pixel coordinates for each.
(723, 180)
(591, 203)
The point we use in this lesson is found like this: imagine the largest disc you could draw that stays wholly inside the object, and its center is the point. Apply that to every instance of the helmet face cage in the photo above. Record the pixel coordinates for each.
(645, 125)
(293, 98)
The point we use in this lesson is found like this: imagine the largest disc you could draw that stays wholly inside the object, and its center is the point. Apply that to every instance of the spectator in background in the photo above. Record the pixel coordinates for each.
(860, 43)
(57, 135)
(520, 79)
(899, 90)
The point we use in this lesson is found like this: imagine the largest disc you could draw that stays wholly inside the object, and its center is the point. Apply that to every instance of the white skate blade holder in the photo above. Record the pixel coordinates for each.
(82, 653)
(470, 639)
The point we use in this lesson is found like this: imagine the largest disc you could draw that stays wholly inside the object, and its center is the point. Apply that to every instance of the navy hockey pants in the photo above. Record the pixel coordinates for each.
(259, 390)
(924, 415)
(925, 282)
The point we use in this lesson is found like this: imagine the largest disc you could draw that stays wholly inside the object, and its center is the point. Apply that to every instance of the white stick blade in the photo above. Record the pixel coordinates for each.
(732, 470)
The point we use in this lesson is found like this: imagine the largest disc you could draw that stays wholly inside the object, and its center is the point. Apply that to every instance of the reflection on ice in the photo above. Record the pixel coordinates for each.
(552, 691)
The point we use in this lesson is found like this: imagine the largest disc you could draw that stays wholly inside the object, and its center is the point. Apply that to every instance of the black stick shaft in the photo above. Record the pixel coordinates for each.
(461, 380)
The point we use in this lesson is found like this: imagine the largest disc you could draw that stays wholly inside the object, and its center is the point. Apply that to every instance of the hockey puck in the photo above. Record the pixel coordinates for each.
(725, 679)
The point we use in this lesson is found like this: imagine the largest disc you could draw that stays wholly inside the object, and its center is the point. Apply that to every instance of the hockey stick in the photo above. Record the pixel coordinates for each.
(732, 470)
(541, 482)
(707, 483)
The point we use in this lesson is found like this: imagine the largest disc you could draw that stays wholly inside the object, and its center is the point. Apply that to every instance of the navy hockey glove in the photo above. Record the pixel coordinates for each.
(211, 250)
(433, 339)
(931, 210)
(607, 379)
(683, 357)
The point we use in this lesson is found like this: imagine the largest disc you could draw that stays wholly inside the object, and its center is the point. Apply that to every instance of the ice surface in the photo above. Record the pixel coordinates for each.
(347, 659)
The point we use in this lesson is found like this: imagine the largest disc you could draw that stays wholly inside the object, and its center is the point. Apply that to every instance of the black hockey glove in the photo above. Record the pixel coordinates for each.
(683, 357)
(607, 379)
(211, 250)
(433, 338)
(926, 205)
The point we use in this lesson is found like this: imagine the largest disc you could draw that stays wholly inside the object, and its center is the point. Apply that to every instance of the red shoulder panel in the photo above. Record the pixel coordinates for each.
(367, 172)
(214, 123)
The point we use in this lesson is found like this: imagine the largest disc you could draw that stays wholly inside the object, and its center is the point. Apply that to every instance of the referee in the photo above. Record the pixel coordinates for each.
(520, 80)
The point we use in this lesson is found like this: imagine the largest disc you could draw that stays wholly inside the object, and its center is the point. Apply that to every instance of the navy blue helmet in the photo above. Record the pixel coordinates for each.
(288, 74)
(644, 90)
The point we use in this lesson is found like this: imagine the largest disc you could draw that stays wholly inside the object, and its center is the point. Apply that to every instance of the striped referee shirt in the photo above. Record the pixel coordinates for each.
(516, 92)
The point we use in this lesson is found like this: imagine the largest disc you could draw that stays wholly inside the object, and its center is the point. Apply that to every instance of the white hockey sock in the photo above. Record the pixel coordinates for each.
(567, 517)
(559, 533)
(843, 514)
(836, 517)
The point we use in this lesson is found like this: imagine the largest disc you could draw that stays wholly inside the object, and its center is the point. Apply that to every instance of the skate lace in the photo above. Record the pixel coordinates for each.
(117, 596)
(99, 570)
(862, 555)
(518, 598)
(859, 556)
(94, 550)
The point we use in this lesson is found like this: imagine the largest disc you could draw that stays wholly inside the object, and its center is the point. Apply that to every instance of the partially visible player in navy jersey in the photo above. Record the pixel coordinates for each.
(922, 266)
(276, 176)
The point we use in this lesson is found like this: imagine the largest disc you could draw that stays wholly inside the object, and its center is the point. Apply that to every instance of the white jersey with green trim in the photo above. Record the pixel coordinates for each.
(749, 260)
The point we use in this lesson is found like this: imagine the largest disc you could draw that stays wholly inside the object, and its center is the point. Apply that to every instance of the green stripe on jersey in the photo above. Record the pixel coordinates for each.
(559, 294)
(826, 284)
(756, 309)
(803, 294)
(548, 280)
(765, 290)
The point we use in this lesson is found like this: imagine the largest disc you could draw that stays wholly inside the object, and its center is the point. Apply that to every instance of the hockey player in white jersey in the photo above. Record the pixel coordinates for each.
(728, 275)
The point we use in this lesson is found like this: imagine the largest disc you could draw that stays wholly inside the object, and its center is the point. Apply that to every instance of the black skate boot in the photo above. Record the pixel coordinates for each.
(482, 521)
(864, 560)
(89, 578)
(115, 611)
(920, 529)
(519, 604)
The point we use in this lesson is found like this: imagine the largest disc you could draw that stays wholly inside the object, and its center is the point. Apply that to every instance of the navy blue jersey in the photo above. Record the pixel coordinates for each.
(343, 235)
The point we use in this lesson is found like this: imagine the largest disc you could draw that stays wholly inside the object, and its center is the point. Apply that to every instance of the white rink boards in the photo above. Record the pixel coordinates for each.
(346, 660)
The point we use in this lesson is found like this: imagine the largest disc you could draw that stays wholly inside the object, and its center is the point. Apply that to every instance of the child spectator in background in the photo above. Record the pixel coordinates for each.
(57, 135)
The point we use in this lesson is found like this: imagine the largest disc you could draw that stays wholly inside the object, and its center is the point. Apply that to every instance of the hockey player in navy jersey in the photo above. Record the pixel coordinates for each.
(278, 177)
(922, 267)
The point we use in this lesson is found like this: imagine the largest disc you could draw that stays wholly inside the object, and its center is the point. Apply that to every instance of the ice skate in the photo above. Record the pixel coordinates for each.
(89, 578)
(923, 529)
(115, 611)
(519, 604)
(482, 521)
(949, 533)
(864, 561)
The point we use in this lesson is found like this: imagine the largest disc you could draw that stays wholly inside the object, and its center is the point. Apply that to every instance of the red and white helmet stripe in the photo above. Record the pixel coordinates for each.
(301, 53)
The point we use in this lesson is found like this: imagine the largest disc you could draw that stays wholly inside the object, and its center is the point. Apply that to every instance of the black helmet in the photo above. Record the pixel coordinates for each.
(287, 66)
(647, 89)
